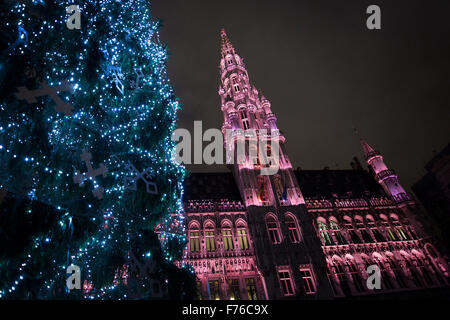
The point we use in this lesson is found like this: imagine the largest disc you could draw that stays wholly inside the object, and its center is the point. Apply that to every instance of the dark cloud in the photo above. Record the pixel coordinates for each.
(324, 73)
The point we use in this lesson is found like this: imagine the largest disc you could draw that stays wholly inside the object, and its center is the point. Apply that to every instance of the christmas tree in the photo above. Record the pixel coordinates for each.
(86, 117)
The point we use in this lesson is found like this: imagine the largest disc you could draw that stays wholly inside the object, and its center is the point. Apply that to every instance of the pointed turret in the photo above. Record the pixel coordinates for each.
(369, 152)
(384, 176)
(226, 46)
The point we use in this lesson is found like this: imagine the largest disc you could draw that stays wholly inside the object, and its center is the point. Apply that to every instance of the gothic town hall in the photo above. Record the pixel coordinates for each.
(301, 234)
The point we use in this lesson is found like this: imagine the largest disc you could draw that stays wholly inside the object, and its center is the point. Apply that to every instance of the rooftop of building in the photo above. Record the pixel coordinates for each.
(314, 184)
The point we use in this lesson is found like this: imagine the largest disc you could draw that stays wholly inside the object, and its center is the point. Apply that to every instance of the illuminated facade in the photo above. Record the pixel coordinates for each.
(299, 234)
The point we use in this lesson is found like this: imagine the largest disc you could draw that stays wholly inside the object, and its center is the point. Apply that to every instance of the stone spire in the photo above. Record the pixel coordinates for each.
(226, 46)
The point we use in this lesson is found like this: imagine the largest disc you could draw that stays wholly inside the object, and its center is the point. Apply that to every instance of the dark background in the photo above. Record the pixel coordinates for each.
(324, 73)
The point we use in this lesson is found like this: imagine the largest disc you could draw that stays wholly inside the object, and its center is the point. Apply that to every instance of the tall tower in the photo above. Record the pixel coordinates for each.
(248, 119)
(383, 175)
(388, 179)
(274, 202)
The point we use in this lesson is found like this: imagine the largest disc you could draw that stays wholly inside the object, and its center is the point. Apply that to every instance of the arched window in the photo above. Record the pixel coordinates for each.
(194, 237)
(227, 236)
(273, 229)
(294, 230)
(351, 230)
(423, 269)
(373, 227)
(415, 275)
(392, 236)
(385, 276)
(362, 229)
(398, 273)
(210, 237)
(324, 232)
(242, 235)
(435, 262)
(253, 153)
(337, 232)
(262, 192)
(236, 85)
(355, 275)
(402, 235)
(342, 276)
(244, 114)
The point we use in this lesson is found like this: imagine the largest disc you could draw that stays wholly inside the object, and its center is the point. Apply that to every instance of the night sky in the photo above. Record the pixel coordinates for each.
(324, 73)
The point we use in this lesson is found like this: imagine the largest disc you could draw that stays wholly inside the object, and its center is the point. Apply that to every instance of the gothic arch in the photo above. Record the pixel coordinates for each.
(208, 223)
(321, 220)
(226, 223)
(194, 224)
(393, 216)
(273, 228)
(334, 219)
(295, 233)
(347, 219)
(241, 223)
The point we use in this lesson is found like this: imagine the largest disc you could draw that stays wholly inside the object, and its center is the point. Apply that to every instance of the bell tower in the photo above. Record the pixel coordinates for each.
(254, 144)
(274, 203)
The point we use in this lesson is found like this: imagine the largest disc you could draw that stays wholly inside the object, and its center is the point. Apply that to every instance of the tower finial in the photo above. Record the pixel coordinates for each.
(227, 47)
(368, 150)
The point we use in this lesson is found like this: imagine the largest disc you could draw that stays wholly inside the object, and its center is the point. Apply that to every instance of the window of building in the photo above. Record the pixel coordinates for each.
(244, 116)
(342, 277)
(415, 275)
(337, 232)
(397, 272)
(324, 233)
(227, 239)
(385, 276)
(402, 235)
(364, 233)
(210, 239)
(412, 232)
(233, 285)
(392, 236)
(214, 289)
(253, 153)
(242, 238)
(262, 191)
(294, 233)
(287, 286)
(272, 229)
(355, 275)
(425, 272)
(374, 229)
(251, 288)
(309, 283)
(194, 239)
(351, 231)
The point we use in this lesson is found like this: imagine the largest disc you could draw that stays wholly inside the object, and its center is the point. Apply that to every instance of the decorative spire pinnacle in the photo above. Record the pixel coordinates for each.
(368, 150)
(227, 47)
